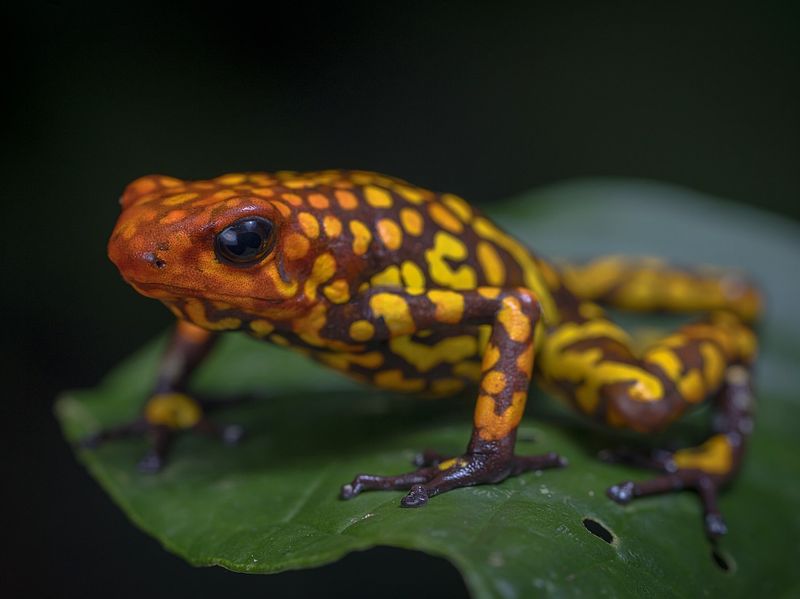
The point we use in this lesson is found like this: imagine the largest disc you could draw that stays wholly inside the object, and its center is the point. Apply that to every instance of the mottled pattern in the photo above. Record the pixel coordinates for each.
(417, 291)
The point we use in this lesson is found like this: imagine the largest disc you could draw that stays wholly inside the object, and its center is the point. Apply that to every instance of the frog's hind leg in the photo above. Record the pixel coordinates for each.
(591, 360)
(704, 468)
(650, 284)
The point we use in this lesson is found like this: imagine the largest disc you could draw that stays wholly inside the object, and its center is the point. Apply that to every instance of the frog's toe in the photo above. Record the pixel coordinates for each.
(372, 482)
(440, 475)
(707, 487)
(417, 497)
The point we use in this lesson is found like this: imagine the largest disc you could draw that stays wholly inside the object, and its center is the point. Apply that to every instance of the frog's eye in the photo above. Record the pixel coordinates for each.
(245, 242)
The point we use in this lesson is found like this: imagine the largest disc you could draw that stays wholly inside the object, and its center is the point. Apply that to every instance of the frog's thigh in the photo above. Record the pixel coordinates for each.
(648, 284)
(592, 362)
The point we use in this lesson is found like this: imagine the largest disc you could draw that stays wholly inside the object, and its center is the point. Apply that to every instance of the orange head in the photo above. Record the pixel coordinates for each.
(219, 241)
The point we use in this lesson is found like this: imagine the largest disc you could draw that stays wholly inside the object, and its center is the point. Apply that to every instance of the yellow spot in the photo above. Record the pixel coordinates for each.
(282, 208)
(413, 276)
(489, 292)
(590, 311)
(469, 370)
(197, 314)
(390, 233)
(393, 379)
(715, 456)
(347, 200)
(691, 387)
(484, 334)
(292, 198)
(361, 237)
(324, 268)
(412, 221)
(713, 364)
(494, 382)
(458, 206)
(491, 263)
(279, 340)
(338, 292)
(410, 194)
(173, 216)
(449, 305)
(174, 410)
(447, 464)
(342, 360)
(295, 246)
(170, 181)
(231, 179)
(490, 357)
(425, 357)
(332, 226)
(264, 192)
(389, 277)
(362, 330)
(180, 198)
(492, 427)
(394, 311)
(447, 386)
(262, 328)
(309, 224)
(666, 359)
(594, 279)
(525, 361)
(514, 321)
(444, 218)
(531, 274)
(375, 196)
(448, 248)
(282, 287)
(318, 201)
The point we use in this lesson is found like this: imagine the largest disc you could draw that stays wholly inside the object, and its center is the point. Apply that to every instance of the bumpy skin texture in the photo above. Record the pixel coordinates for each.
(416, 291)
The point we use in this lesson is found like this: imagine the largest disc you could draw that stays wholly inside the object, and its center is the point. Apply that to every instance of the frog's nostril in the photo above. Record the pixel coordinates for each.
(154, 260)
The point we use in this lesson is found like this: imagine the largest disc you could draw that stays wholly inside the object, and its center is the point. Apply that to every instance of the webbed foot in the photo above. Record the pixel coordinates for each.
(704, 469)
(436, 475)
(165, 415)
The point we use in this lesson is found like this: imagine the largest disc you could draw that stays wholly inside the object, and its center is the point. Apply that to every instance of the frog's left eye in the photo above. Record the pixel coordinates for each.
(245, 242)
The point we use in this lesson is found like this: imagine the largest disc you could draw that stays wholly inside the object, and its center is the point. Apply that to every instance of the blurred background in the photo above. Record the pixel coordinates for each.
(485, 100)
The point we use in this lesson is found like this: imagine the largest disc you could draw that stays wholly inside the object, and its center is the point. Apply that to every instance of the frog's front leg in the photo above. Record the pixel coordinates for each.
(169, 409)
(505, 376)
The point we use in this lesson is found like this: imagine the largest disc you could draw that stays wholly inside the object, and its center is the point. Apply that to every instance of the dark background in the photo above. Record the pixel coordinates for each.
(485, 100)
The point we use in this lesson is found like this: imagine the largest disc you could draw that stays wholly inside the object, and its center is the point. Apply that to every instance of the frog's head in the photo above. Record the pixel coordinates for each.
(222, 245)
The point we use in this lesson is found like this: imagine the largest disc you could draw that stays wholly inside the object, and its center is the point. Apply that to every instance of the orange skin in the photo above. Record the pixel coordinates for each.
(416, 291)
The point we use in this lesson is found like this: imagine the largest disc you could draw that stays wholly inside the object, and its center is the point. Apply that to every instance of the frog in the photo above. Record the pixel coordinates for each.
(419, 292)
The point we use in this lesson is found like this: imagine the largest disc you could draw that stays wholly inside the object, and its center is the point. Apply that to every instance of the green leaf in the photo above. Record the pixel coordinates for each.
(271, 503)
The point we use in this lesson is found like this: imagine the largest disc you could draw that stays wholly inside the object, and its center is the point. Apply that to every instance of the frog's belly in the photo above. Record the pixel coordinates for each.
(434, 362)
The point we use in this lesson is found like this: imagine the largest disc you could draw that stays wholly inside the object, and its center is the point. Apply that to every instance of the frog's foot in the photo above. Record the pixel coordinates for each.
(704, 469)
(165, 415)
(438, 476)
(657, 459)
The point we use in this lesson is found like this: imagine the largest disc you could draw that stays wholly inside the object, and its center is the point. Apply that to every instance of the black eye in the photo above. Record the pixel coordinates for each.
(245, 242)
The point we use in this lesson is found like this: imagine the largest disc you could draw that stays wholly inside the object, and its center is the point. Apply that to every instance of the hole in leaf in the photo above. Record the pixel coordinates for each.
(723, 562)
(598, 530)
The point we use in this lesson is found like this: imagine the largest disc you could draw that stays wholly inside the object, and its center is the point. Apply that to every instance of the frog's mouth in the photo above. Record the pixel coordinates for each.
(165, 291)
